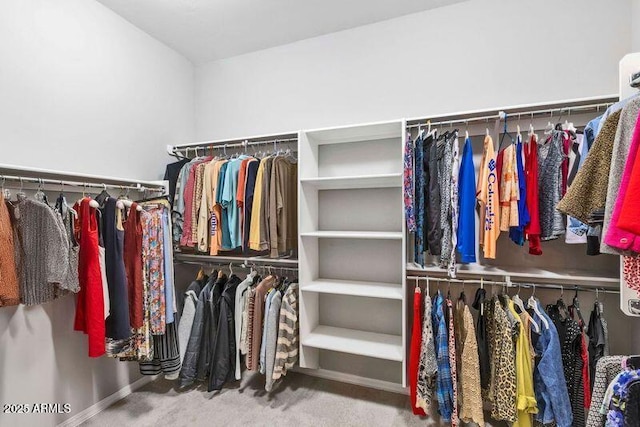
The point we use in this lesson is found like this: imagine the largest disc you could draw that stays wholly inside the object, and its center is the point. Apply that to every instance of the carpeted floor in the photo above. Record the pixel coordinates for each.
(300, 400)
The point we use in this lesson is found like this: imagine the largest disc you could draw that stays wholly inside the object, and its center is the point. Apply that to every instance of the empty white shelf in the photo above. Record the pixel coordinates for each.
(381, 346)
(355, 288)
(376, 235)
(354, 182)
(366, 132)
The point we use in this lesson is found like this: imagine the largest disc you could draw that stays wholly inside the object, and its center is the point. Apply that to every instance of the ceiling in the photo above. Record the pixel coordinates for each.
(207, 30)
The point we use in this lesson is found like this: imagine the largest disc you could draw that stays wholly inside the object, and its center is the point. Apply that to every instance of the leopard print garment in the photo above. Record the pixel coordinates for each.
(504, 380)
(487, 393)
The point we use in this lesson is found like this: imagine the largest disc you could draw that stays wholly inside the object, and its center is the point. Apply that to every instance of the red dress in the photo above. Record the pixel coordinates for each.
(133, 266)
(533, 202)
(90, 303)
(414, 355)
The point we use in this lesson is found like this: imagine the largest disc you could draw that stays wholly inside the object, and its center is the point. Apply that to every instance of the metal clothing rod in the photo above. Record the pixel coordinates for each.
(501, 115)
(510, 284)
(65, 183)
(235, 143)
(243, 264)
(50, 176)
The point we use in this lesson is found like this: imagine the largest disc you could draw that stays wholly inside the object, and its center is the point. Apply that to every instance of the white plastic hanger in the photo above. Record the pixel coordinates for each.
(533, 304)
(517, 301)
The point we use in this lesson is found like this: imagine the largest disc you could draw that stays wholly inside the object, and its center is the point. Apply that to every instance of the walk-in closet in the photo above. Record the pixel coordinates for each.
(329, 213)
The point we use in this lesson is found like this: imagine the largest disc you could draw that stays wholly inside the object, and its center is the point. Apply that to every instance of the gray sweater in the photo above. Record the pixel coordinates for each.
(271, 326)
(621, 147)
(43, 251)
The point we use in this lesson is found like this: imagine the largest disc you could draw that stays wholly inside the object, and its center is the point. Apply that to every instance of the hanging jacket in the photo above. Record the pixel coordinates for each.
(190, 362)
(272, 326)
(223, 353)
(551, 391)
(187, 317)
(212, 301)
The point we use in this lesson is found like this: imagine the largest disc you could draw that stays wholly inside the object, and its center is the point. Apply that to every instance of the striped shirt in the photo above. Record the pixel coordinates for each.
(287, 347)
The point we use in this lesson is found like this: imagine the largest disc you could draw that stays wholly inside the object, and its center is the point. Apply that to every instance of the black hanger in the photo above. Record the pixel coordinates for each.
(633, 362)
(576, 306)
(562, 307)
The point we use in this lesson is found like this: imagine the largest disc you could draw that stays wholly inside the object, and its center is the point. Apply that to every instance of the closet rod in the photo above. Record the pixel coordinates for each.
(237, 142)
(518, 114)
(210, 259)
(245, 264)
(65, 183)
(50, 176)
(510, 284)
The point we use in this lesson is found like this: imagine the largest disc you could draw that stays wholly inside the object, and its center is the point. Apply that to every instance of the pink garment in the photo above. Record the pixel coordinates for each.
(566, 147)
(189, 193)
(617, 237)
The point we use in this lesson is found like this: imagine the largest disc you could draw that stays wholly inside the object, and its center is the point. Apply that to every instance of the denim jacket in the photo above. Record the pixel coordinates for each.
(549, 381)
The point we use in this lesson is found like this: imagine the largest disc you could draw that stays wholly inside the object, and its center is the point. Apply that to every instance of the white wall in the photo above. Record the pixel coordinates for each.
(82, 90)
(635, 17)
(475, 54)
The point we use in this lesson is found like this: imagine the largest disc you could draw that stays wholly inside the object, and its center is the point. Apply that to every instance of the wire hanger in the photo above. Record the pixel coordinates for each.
(505, 132)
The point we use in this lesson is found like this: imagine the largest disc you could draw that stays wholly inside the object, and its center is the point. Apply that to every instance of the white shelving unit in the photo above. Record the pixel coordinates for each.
(351, 253)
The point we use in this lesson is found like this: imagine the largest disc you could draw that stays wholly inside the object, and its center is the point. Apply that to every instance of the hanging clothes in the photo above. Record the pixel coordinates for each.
(526, 404)
(118, 323)
(408, 184)
(570, 335)
(509, 189)
(532, 230)
(10, 283)
(455, 213)
(488, 197)
(619, 155)
(517, 234)
(153, 260)
(166, 355)
(428, 365)
(68, 216)
(271, 338)
(466, 237)
(484, 354)
(550, 385)
(288, 333)
(283, 207)
(171, 174)
(240, 298)
(415, 352)
(444, 382)
(504, 387)
(471, 396)
(187, 316)
(90, 303)
(256, 320)
(188, 372)
(550, 175)
(133, 266)
(223, 352)
(249, 196)
(420, 199)
(433, 194)
(445, 169)
(588, 192)
(624, 216)
(607, 368)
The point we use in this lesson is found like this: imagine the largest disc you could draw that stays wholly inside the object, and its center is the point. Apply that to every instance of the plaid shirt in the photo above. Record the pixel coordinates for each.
(444, 382)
